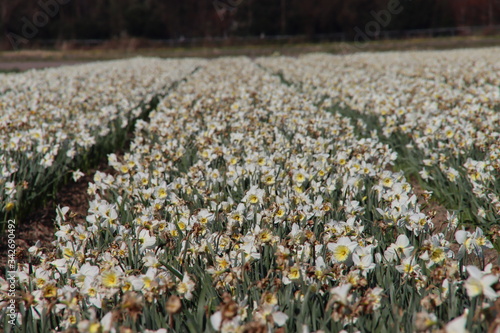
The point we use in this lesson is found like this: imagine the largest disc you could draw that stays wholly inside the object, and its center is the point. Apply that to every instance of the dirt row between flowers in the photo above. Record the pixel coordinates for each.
(19, 66)
(39, 224)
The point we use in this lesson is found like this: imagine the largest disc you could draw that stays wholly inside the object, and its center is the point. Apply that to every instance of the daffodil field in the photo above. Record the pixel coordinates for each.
(54, 120)
(277, 194)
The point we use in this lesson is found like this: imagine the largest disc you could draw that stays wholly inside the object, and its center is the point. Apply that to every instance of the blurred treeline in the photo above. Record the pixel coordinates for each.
(174, 19)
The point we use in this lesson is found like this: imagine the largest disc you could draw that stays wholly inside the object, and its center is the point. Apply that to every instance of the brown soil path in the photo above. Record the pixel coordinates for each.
(39, 224)
(26, 65)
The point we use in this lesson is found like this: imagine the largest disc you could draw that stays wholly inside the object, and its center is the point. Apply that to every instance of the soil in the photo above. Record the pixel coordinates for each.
(65, 55)
(39, 225)
(26, 65)
(440, 220)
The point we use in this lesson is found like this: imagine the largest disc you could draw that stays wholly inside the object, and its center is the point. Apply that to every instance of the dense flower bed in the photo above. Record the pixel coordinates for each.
(50, 116)
(247, 205)
(443, 104)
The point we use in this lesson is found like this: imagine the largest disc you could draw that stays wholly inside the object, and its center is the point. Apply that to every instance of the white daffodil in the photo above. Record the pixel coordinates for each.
(472, 242)
(186, 287)
(254, 196)
(364, 263)
(268, 311)
(342, 249)
(341, 294)
(146, 240)
(408, 266)
(86, 273)
(400, 249)
(77, 174)
(480, 283)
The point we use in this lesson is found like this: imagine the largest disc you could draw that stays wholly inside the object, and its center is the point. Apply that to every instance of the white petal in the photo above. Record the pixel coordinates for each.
(356, 259)
(403, 241)
(474, 272)
(461, 236)
(490, 293)
(457, 325)
(280, 318)
(488, 280)
(474, 287)
(107, 322)
(216, 320)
